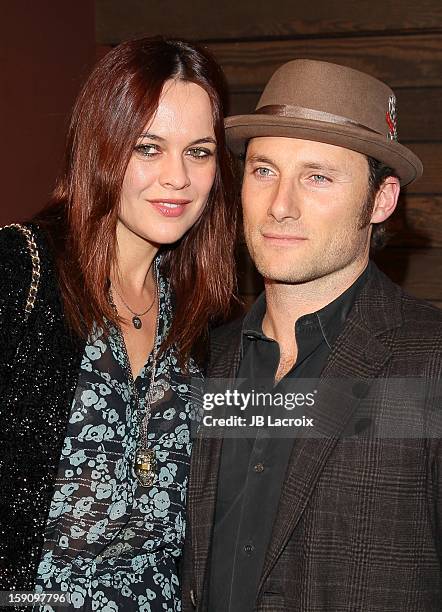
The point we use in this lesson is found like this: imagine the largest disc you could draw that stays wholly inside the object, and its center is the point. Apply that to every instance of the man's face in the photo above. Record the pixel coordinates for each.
(303, 202)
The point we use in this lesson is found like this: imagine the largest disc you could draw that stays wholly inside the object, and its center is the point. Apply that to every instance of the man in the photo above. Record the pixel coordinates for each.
(349, 518)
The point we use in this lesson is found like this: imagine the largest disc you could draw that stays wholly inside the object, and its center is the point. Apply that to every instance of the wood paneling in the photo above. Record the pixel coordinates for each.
(431, 155)
(233, 19)
(401, 61)
(417, 222)
(420, 113)
(418, 271)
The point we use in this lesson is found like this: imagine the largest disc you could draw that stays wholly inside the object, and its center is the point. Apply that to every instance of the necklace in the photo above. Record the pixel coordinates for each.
(136, 319)
(145, 464)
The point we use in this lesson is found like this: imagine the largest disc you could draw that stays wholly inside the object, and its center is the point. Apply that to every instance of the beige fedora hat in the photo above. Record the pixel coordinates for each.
(328, 103)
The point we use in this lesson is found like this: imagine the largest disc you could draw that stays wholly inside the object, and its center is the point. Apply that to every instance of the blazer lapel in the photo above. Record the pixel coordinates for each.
(356, 359)
(201, 507)
(206, 454)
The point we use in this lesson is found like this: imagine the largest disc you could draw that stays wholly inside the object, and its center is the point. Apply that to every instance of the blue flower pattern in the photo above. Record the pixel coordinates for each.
(110, 543)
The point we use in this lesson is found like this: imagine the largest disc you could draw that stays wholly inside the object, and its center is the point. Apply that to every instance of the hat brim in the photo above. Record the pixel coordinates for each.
(240, 128)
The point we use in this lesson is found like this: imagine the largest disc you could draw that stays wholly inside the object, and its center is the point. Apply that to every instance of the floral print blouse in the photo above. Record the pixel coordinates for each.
(109, 542)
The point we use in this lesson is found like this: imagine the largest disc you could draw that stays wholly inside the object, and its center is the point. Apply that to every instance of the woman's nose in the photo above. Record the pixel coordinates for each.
(174, 173)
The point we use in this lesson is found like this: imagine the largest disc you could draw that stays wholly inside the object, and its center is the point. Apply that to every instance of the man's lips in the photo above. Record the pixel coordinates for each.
(282, 238)
(169, 207)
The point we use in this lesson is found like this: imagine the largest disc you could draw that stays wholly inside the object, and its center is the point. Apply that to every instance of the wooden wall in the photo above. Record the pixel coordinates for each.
(399, 41)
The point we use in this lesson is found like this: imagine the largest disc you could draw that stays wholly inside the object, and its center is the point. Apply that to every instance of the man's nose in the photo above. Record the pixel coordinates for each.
(285, 203)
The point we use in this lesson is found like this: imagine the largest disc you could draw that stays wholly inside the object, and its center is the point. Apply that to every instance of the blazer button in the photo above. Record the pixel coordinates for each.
(193, 598)
(362, 425)
(360, 389)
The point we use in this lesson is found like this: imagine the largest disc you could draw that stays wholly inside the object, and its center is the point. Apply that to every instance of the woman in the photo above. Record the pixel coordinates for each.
(97, 399)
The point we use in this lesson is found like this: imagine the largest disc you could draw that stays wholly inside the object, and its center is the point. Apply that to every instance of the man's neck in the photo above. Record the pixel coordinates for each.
(286, 303)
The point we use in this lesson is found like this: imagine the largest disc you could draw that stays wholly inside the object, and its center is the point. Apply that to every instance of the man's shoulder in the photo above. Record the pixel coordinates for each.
(410, 327)
(421, 330)
(384, 302)
(416, 312)
(224, 335)
(420, 312)
(224, 349)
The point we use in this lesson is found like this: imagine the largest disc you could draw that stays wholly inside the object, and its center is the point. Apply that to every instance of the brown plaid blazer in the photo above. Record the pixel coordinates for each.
(359, 522)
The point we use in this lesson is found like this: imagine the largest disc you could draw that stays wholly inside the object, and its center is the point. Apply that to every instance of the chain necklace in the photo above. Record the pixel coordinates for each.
(145, 462)
(136, 319)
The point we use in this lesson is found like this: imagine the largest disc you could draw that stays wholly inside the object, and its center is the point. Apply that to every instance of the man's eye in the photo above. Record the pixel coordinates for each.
(198, 153)
(147, 150)
(320, 178)
(263, 172)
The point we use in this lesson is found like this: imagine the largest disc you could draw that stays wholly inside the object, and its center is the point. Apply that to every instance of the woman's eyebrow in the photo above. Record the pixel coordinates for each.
(206, 139)
(151, 136)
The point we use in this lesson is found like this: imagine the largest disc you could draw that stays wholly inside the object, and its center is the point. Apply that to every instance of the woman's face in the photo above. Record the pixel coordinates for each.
(172, 168)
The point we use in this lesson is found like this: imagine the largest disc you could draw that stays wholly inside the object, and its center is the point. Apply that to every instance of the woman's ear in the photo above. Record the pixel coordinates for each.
(386, 199)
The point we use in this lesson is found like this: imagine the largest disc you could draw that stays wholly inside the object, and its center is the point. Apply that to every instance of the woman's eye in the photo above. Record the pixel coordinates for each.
(198, 153)
(147, 150)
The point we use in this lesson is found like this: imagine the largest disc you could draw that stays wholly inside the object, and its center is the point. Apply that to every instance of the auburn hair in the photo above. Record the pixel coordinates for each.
(117, 101)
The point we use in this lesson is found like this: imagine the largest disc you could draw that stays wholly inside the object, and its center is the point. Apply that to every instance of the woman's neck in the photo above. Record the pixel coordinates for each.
(133, 270)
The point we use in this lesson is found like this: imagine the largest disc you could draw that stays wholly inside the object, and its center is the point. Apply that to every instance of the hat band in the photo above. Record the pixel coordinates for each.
(300, 112)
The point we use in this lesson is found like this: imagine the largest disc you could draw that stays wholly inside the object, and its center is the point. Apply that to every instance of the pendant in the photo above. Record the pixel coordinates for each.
(145, 466)
(137, 322)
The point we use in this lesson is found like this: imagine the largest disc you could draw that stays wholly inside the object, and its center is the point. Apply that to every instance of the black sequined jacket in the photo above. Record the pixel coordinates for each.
(39, 363)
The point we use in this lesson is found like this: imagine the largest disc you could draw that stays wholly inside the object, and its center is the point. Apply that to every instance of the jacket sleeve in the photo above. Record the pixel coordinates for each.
(435, 491)
(434, 438)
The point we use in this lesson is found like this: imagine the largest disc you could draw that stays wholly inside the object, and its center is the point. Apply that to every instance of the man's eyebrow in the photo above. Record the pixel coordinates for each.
(306, 165)
(322, 166)
(261, 159)
(206, 139)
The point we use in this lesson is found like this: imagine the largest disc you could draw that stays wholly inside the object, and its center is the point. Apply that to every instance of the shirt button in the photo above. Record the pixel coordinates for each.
(193, 598)
(248, 549)
(258, 468)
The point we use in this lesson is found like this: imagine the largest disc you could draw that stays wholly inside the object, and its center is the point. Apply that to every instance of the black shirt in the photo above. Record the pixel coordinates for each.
(252, 470)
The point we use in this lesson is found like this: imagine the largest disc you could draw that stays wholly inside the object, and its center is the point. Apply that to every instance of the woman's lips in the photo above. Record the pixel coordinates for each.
(170, 208)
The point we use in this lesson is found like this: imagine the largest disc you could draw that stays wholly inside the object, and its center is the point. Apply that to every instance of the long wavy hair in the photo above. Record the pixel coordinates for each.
(120, 96)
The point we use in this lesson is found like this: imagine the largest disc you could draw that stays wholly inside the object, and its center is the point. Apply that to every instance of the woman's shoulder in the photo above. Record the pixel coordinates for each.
(15, 258)
(19, 256)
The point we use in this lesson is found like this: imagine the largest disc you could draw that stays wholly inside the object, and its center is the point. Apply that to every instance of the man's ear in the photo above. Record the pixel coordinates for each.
(386, 199)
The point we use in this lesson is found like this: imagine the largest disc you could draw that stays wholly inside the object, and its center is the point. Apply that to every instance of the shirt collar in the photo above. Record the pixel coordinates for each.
(326, 322)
